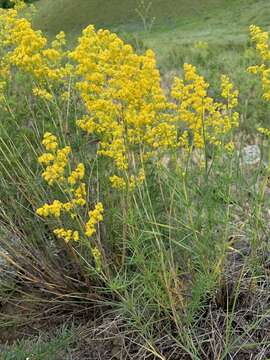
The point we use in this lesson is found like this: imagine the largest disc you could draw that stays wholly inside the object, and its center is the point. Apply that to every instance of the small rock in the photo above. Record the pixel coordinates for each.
(251, 154)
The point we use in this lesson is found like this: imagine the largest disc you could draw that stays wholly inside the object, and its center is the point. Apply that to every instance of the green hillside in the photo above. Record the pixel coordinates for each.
(176, 22)
(70, 15)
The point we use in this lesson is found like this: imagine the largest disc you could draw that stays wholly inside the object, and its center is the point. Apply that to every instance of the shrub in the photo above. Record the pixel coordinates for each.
(115, 97)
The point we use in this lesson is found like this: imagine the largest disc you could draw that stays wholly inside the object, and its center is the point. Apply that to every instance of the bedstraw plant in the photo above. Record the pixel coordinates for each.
(122, 194)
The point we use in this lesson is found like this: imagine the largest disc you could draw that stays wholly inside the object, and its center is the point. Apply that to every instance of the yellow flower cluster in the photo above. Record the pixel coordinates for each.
(120, 183)
(56, 161)
(60, 41)
(264, 131)
(50, 141)
(260, 38)
(51, 210)
(27, 50)
(55, 172)
(229, 94)
(79, 195)
(123, 96)
(129, 112)
(126, 106)
(67, 235)
(207, 120)
(117, 182)
(18, 4)
(42, 93)
(26, 46)
(95, 216)
(76, 175)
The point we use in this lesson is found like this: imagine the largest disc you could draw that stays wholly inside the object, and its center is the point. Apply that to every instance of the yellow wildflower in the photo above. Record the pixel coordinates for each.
(264, 131)
(260, 38)
(123, 96)
(50, 210)
(95, 216)
(228, 92)
(141, 176)
(42, 93)
(55, 172)
(67, 235)
(46, 158)
(80, 195)
(50, 142)
(117, 182)
(68, 206)
(230, 147)
(207, 120)
(77, 174)
(60, 40)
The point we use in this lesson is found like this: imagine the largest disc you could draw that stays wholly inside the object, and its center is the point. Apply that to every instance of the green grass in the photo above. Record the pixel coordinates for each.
(176, 22)
(72, 16)
(226, 24)
(54, 345)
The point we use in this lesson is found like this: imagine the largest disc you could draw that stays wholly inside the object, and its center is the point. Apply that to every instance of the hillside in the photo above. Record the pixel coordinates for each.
(70, 15)
(176, 22)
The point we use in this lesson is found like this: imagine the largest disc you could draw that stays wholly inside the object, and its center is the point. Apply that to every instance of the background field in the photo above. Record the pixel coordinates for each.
(176, 22)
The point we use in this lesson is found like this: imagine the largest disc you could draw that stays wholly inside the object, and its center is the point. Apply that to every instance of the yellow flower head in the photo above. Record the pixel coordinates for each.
(228, 92)
(42, 93)
(117, 182)
(67, 235)
(260, 39)
(50, 142)
(207, 121)
(95, 216)
(50, 210)
(77, 174)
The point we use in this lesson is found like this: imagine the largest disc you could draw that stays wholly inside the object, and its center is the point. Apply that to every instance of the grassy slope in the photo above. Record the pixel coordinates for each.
(72, 16)
(227, 24)
(177, 22)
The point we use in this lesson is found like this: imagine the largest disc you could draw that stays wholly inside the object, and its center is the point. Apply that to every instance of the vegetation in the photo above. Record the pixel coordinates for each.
(118, 13)
(134, 200)
(7, 4)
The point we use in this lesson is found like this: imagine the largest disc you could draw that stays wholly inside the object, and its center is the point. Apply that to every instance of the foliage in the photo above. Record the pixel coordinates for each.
(7, 4)
(120, 14)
